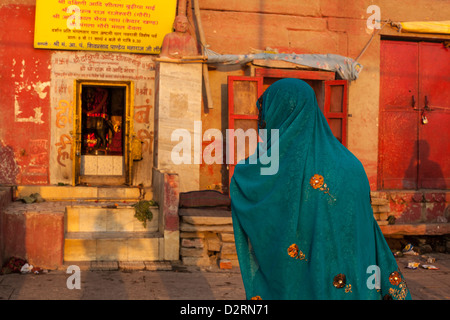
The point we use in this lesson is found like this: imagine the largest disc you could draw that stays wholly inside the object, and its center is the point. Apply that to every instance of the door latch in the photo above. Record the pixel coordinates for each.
(426, 107)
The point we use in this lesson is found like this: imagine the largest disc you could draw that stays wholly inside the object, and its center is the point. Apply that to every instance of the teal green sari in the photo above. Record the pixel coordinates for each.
(308, 231)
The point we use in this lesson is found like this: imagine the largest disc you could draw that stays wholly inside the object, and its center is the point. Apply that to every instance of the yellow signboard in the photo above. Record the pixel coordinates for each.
(133, 26)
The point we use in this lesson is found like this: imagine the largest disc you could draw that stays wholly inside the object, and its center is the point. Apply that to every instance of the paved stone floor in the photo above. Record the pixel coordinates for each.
(188, 283)
(425, 284)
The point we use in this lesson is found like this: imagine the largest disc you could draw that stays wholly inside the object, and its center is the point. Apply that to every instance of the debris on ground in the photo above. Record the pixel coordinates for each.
(409, 250)
(13, 265)
(413, 265)
(429, 267)
(34, 197)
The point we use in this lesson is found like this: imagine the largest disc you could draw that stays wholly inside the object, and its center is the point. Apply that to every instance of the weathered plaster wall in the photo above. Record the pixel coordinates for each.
(37, 100)
(318, 26)
(178, 103)
(24, 99)
(29, 100)
(215, 176)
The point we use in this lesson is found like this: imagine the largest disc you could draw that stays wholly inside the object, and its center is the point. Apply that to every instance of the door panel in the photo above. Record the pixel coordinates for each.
(399, 130)
(434, 101)
(415, 77)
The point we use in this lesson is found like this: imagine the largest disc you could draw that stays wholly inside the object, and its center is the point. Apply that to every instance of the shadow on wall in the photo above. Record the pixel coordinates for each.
(422, 170)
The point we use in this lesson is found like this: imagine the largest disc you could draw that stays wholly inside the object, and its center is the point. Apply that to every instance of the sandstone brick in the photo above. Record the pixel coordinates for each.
(140, 249)
(190, 235)
(354, 26)
(229, 256)
(198, 261)
(379, 201)
(192, 243)
(228, 248)
(157, 265)
(385, 208)
(197, 220)
(192, 252)
(331, 42)
(104, 265)
(186, 227)
(213, 242)
(79, 250)
(306, 8)
(226, 237)
(131, 265)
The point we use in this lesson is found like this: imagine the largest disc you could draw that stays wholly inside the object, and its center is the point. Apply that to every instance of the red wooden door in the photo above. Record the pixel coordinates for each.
(413, 153)
(434, 101)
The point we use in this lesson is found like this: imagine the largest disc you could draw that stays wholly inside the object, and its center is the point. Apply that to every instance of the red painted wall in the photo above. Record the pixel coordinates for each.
(24, 74)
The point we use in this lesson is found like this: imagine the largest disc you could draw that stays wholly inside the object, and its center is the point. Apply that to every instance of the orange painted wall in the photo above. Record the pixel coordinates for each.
(319, 27)
(24, 98)
(230, 27)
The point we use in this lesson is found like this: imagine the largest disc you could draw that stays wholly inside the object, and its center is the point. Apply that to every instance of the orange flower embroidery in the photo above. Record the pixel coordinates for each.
(317, 182)
(295, 253)
(395, 278)
(348, 288)
(256, 298)
(339, 281)
(293, 250)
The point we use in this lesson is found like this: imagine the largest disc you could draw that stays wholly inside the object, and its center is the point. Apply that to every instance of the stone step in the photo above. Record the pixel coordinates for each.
(111, 235)
(119, 265)
(109, 218)
(113, 246)
(110, 232)
(59, 193)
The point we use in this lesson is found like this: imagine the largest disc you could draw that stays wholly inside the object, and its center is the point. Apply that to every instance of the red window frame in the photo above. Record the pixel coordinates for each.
(232, 116)
(327, 79)
(343, 115)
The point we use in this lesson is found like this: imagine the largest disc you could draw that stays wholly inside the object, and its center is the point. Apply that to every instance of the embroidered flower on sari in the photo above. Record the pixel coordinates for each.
(295, 253)
(317, 182)
(256, 298)
(348, 288)
(395, 278)
(339, 281)
(399, 294)
(293, 250)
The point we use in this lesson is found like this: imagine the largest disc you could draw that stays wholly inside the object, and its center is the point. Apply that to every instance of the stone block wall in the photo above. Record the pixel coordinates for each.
(381, 209)
(206, 230)
(412, 206)
(208, 240)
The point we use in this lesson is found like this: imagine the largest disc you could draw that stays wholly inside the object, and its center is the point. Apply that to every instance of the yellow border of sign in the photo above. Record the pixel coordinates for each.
(130, 26)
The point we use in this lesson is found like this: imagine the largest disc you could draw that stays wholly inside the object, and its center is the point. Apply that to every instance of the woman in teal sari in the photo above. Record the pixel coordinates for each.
(308, 231)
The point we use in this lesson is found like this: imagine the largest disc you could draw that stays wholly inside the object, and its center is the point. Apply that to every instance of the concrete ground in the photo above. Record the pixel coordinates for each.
(188, 283)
